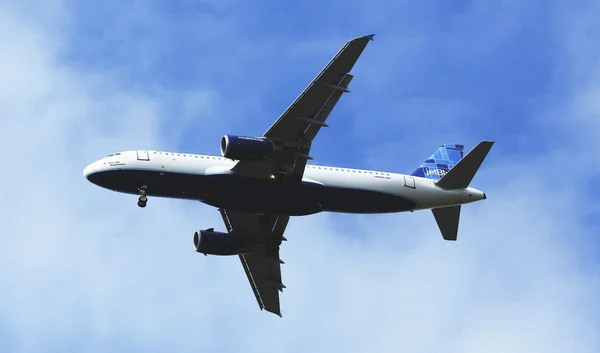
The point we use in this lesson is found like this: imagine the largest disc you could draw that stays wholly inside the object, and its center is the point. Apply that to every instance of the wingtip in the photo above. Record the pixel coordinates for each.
(368, 37)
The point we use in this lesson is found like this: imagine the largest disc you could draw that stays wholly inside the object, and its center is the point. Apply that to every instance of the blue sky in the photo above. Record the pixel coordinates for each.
(83, 269)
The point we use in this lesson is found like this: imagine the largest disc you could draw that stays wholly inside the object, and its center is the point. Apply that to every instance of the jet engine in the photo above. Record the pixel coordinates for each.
(248, 148)
(209, 242)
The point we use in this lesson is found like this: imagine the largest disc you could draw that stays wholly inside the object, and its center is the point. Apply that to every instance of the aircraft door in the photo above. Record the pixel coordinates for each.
(143, 155)
(409, 181)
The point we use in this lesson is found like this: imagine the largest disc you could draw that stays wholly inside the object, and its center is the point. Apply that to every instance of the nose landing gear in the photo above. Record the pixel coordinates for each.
(143, 199)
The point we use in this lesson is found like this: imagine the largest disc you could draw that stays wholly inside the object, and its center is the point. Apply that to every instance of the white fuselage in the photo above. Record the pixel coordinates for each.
(210, 179)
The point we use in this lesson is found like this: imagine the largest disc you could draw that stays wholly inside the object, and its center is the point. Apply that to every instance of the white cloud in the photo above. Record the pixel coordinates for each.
(82, 264)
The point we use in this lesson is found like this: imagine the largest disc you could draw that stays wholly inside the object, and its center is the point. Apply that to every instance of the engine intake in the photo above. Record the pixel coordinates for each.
(248, 148)
(209, 242)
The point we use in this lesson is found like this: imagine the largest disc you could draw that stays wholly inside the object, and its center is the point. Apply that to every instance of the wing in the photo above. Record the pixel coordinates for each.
(297, 127)
(263, 270)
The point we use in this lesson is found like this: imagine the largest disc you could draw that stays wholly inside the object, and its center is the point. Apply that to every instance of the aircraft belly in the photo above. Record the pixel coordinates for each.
(252, 195)
(262, 196)
(350, 200)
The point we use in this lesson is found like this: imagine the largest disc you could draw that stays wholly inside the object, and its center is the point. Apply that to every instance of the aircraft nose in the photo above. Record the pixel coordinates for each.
(87, 171)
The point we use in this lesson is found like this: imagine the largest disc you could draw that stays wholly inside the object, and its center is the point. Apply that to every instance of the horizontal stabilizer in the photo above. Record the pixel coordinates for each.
(460, 176)
(447, 220)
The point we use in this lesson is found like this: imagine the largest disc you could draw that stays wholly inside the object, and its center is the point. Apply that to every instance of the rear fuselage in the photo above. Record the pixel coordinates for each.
(209, 179)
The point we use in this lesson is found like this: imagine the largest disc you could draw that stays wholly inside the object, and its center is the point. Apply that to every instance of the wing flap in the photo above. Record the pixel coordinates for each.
(319, 119)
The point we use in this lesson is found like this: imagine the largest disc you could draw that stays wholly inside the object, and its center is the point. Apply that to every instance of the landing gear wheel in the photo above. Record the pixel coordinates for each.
(142, 201)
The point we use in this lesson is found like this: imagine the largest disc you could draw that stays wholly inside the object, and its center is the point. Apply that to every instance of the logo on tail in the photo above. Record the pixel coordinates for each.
(439, 163)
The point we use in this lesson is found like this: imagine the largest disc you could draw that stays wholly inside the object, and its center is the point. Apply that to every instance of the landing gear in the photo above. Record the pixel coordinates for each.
(143, 199)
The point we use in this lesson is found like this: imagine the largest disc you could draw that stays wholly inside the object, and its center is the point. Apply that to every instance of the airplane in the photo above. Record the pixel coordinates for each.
(258, 183)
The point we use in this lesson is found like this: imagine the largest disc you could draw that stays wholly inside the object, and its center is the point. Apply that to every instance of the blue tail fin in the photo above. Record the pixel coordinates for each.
(440, 162)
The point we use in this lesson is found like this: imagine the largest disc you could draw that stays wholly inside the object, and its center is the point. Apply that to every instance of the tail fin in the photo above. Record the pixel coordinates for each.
(439, 163)
(461, 175)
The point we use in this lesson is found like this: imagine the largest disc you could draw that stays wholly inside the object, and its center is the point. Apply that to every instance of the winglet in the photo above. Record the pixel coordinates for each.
(460, 176)
(447, 219)
(368, 36)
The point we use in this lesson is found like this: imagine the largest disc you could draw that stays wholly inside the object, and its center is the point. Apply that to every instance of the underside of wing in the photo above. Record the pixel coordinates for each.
(264, 275)
(262, 269)
(307, 110)
(297, 127)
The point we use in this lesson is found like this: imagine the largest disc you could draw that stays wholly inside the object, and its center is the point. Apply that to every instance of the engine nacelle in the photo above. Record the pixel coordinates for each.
(209, 242)
(248, 148)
